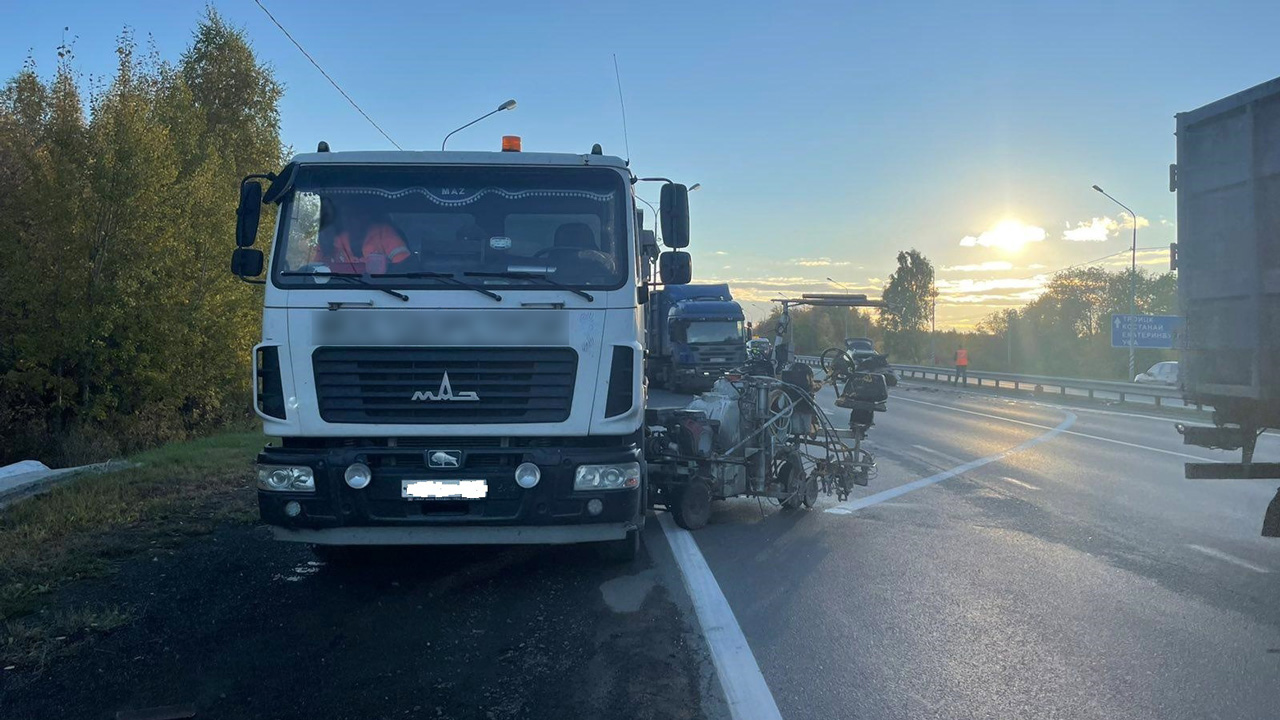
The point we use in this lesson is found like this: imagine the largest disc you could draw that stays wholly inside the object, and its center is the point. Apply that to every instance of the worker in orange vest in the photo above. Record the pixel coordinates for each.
(962, 366)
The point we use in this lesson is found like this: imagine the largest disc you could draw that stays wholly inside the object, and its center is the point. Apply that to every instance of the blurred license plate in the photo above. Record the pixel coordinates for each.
(443, 489)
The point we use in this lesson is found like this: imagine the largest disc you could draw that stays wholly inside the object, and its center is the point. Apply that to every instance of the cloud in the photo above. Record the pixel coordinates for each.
(1005, 291)
(763, 289)
(817, 262)
(1100, 228)
(1007, 235)
(1152, 257)
(988, 266)
(719, 252)
(1095, 230)
(1036, 266)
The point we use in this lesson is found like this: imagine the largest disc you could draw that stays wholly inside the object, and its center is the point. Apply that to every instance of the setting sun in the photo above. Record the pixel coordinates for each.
(1008, 235)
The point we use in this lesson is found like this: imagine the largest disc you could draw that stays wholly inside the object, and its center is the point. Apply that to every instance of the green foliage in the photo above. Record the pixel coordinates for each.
(817, 328)
(1067, 330)
(121, 326)
(909, 295)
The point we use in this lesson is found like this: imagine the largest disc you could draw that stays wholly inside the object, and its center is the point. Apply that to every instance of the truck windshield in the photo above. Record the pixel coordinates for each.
(420, 226)
(714, 331)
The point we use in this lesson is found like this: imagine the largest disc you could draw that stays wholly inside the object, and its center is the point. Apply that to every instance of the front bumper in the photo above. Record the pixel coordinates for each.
(458, 535)
(550, 512)
(702, 374)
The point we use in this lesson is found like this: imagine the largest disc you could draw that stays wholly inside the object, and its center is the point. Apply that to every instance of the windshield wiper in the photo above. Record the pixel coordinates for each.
(357, 279)
(534, 276)
(447, 277)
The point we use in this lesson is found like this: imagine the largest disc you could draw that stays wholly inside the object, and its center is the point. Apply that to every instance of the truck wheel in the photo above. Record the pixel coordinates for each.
(692, 509)
(621, 551)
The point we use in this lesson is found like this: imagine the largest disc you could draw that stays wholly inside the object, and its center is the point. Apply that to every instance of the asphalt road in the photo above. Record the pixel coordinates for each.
(1078, 577)
(1039, 562)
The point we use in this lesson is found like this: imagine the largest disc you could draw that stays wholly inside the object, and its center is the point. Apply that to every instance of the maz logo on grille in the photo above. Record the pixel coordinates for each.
(444, 458)
(445, 393)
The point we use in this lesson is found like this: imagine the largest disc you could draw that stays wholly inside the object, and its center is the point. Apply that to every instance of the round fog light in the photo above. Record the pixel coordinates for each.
(358, 475)
(594, 506)
(292, 508)
(528, 475)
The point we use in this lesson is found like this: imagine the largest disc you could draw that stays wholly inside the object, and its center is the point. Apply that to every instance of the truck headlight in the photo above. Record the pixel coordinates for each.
(286, 478)
(614, 476)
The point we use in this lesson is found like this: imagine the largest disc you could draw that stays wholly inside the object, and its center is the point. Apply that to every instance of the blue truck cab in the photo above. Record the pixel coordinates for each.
(693, 334)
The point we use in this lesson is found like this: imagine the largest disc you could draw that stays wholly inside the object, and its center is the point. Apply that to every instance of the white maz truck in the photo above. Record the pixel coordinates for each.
(452, 346)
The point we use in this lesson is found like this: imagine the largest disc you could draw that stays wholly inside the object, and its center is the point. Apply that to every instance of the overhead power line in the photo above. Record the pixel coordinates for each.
(326, 75)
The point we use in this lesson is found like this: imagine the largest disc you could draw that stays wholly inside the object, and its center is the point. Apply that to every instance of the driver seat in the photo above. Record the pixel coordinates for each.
(575, 236)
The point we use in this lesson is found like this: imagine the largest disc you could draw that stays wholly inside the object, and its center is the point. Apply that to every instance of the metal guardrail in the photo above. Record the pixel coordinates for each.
(1039, 383)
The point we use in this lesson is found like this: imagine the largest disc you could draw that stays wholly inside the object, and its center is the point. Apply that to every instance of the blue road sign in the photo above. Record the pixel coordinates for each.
(1145, 331)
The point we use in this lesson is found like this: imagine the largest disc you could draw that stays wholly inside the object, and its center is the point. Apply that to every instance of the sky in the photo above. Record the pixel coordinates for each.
(827, 136)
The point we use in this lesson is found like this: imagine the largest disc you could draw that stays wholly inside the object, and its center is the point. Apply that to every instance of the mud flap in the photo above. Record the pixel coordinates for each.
(1271, 521)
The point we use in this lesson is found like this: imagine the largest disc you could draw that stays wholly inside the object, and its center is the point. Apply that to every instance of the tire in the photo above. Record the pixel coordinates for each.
(810, 492)
(621, 551)
(794, 476)
(692, 509)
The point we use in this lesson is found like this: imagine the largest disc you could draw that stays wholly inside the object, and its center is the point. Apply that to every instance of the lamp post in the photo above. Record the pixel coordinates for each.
(846, 310)
(508, 105)
(1133, 274)
(695, 186)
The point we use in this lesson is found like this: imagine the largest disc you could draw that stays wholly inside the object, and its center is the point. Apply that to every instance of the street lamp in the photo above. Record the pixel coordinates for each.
(842, 286)
(694, 186)
(1133, 275)
(508, 105)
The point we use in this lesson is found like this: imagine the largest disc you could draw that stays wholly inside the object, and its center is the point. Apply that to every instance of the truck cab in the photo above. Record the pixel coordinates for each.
(695, 334)
(451, 348)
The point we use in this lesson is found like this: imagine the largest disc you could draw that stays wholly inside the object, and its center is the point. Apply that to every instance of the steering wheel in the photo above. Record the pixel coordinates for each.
(544, 252)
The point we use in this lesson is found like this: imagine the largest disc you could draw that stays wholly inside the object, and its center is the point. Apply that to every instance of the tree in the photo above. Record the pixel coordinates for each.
(121, 326)
(909, 296)
(1067, 330)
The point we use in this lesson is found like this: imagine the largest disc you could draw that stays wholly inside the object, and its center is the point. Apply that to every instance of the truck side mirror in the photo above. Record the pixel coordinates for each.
(246, 262)
(248, 213)
(676, 268)
(642, 294)
(675, 215)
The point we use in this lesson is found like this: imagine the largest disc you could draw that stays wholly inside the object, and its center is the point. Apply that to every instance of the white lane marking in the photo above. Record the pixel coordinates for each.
(744, 686)
(848, 507)
(942, 455)
(1019, 483)
(1065, 432)
(1229, 558)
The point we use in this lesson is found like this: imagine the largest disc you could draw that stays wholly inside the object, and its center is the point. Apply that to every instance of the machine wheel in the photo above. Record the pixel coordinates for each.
(621, 551)
(792, 474)
(810, 491)
(692, 509)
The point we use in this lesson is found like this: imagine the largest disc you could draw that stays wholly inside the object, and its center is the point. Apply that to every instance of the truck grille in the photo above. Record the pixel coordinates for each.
(407, 385)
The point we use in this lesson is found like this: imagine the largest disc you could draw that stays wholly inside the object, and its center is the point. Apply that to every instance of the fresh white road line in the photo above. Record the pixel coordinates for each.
(850, 506)
(1065, 432)
(942, 455)
(1019, 483)
(1229, 558)
(744, 686)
